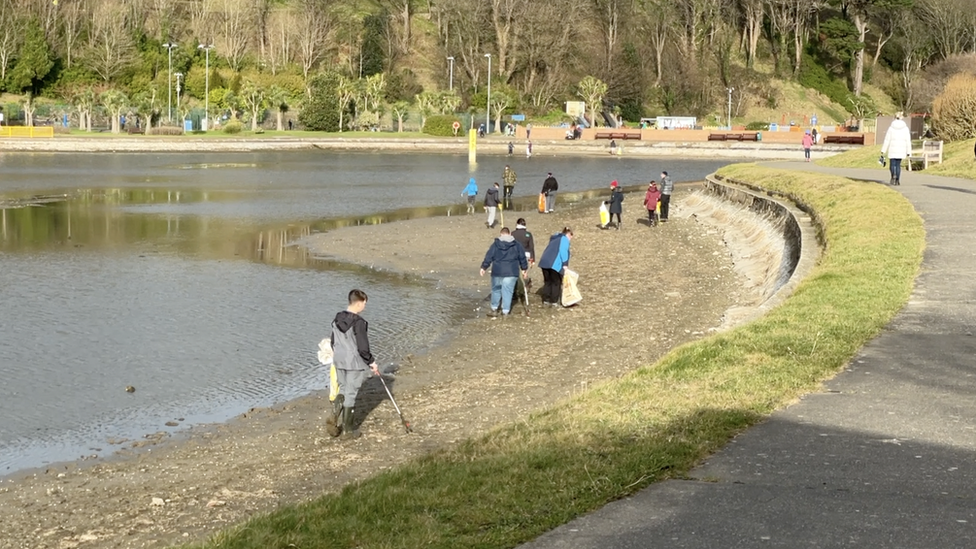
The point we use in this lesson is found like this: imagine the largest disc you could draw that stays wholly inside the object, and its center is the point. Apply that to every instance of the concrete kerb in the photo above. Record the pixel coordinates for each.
(799, 234)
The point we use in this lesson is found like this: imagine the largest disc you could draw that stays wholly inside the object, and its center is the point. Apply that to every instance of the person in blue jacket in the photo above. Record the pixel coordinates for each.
(471, 192)
(553, 262)
(507, 260)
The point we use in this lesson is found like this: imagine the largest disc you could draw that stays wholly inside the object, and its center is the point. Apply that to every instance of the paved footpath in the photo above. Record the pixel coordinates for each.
(884, 457)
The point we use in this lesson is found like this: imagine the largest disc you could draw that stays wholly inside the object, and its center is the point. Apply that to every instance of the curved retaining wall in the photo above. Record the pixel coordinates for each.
(774, 243)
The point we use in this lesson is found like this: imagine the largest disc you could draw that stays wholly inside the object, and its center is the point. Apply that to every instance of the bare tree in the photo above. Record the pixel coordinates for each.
(947, 22)
(10, 34)
(752, 18)
(313, 30)
(234, 24)
(110, 48)
(607, 15)
(506, 18)
(74, 24)
(278, 53)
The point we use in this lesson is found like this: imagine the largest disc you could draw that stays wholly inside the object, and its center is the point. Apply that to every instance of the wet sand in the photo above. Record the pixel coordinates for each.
(644, 289)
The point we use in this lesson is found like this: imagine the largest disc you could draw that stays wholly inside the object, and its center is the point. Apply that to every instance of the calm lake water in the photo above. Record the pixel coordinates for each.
(178, 274)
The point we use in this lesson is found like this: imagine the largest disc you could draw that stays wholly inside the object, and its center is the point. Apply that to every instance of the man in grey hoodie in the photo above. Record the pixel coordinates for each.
(667, 187)
(353, 361)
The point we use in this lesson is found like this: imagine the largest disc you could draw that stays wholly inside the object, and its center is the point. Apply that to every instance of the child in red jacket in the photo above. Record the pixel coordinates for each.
(651, 199)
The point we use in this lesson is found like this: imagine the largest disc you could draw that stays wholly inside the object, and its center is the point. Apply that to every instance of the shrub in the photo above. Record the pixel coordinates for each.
(813, 75)
(954, 111)
(321, 110)
(757, 127)
(441, 124)
(165, 130)
(232, 127)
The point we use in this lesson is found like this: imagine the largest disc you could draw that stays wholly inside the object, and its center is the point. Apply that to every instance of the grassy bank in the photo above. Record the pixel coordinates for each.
(958, 159)
(523, 479)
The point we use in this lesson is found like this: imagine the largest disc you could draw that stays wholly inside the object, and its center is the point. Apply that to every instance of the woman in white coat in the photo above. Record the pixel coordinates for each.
(898, 146)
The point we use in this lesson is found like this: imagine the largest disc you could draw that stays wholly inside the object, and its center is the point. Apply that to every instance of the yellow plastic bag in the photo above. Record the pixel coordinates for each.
(571, 293)
(325, 357)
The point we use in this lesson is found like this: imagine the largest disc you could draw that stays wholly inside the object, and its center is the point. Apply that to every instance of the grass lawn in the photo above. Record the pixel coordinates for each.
(523, 479)
(958, 159)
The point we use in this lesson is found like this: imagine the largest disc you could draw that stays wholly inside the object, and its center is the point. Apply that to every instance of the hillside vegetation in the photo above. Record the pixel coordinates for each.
(108, 58)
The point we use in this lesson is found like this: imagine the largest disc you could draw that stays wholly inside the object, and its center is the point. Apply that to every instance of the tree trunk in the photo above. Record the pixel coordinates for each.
(862, 28)
(278, 121)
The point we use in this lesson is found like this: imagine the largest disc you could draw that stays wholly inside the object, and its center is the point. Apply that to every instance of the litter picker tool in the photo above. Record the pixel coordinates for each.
(406, 424)
(525, 293)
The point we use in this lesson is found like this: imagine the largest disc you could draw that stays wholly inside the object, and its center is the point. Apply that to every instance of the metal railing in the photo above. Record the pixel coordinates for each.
(27, 131)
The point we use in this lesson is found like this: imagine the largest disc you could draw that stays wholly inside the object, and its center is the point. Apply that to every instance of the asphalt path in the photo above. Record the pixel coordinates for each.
(883, 457)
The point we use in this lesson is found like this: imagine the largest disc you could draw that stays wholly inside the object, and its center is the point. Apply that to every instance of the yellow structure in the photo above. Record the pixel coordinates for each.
(27, 131)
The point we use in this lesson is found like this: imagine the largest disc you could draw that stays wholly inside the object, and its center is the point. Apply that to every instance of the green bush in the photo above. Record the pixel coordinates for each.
(757, 126)
(441, 125)
(321, 111)
(232, 127)
(813, 75)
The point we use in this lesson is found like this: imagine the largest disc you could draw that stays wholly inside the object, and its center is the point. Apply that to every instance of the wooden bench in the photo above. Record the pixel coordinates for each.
(931, 152)
(618, 135)
(749, 136)
(844, 139)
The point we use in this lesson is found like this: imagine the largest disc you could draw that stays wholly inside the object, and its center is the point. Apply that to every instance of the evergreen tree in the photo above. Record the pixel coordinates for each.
(34, 61)
(321, 111)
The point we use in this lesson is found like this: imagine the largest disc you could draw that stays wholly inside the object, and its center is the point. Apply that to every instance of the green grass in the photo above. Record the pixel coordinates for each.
(958, 160)
(523, 479)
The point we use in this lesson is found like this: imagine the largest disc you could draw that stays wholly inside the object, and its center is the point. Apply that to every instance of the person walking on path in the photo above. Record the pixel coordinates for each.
(651, 198)
(528, 132)
(491, 204)
(471, 192)
(667, 187)
(898, 146)
(509, 178)
(549, 188)
(807, 144)
(506, 257)
(616, 202)
(554, 260)
(353, 361)
(528, 149)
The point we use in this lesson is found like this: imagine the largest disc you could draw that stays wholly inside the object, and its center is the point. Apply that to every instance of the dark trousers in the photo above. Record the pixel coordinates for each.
(894, 164)
(552, 290)
(652, 215)
(614, 214)
(508, 189)
(665, 202)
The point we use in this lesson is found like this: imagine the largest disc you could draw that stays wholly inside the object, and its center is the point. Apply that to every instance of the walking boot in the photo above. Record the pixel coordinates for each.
(892, 181)
(333, 423)
(348, 432)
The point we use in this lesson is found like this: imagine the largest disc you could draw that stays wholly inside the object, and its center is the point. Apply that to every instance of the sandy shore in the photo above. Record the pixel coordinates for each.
(486, 146)
(645, 291)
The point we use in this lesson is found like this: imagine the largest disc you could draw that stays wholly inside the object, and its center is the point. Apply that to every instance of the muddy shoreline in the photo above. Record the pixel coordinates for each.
(645, 291)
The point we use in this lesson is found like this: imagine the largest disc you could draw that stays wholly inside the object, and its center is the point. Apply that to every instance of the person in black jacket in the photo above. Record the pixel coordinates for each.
(506, 257)
(616, 202)
(549, 188)
(353, 361)
(524, 237)
(491, 204)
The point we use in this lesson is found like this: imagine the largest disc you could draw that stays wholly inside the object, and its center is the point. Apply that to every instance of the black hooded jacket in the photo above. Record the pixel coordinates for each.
(550, 185)
(345, 321)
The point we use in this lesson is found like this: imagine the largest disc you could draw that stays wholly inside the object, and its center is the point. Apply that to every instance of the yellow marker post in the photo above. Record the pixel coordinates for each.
(472, 146)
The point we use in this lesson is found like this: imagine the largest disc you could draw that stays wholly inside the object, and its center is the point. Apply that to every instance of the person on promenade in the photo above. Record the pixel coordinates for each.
(667, 187)
(511, 148)
(509, 178)
(549, 188)
(807, 144)
(471, 192)
(528, 131)
(491, 204)
(650, 202)
(506, 257)
(528, 149)
(616, 202)
(555, 258)
(898, 146)
(353, 360)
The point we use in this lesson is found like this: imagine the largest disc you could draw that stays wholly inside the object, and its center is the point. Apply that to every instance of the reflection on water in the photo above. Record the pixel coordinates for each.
(179, 278)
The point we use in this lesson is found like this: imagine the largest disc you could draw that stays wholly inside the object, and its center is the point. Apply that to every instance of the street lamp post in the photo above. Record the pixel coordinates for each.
(488, 116)
(450, 83)
(169, 83)
(730, 90)
(178, 76)
(206, 98)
